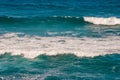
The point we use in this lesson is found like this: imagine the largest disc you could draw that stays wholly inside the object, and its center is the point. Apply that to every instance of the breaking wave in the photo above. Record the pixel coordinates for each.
(102, 21)
(32, 46)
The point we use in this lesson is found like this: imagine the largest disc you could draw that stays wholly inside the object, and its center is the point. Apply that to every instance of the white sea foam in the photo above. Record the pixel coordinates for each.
(103, 21)
(31, 47)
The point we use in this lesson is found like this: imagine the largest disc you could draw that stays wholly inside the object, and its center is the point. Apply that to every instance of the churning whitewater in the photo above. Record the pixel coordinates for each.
(33, 46)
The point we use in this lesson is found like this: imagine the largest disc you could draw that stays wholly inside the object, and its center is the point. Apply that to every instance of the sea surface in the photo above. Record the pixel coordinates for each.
(59, 39)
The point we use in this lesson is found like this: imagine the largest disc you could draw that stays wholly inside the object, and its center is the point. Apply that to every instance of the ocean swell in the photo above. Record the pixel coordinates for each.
(38, 19)
(70, 19)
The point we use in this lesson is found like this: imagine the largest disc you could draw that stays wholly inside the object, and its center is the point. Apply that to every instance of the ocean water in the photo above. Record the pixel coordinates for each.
(59, 40)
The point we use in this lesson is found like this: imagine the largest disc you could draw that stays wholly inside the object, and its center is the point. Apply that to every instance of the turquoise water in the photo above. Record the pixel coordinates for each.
(60, 67)
(50, 40)
(58, 25)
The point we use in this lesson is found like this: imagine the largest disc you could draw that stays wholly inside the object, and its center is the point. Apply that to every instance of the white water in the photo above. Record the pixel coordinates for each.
(103, 21)
(31, 47)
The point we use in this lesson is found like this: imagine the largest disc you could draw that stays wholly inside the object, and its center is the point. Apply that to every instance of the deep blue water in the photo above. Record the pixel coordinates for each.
(60, 8)
(58, 18)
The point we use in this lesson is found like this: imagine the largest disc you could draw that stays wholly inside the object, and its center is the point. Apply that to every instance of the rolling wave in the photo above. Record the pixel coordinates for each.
(111, 21)
(37, 19)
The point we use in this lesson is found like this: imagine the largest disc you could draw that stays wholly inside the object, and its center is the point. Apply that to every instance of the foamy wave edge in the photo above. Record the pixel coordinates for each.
(103, 21)
(33, 46)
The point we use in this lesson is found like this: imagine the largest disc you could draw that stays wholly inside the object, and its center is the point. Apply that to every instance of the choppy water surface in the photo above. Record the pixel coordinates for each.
(59, 40)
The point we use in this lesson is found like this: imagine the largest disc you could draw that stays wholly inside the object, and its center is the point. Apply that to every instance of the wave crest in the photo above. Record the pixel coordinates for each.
(102, 21)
